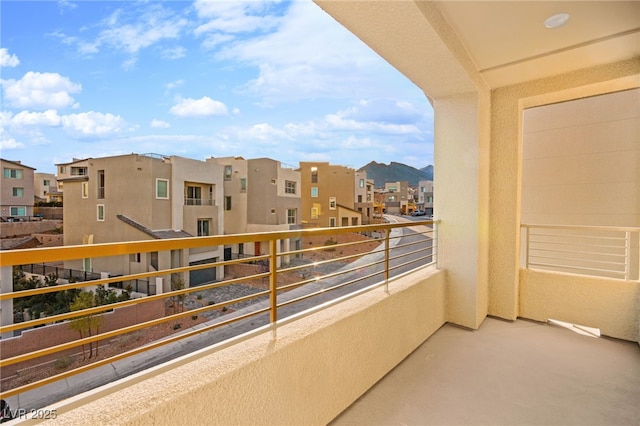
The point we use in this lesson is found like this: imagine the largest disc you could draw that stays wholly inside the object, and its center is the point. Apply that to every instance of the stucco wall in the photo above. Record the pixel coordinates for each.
(304, 372)
(610, 305)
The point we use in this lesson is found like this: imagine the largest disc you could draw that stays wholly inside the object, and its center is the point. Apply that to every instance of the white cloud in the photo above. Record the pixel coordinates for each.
(40, 90)
(93, 124)
(9, 143)
(26, 118)
(234, 16)
(7, 60)
(174, 84)
(159, 124)
(204, 106)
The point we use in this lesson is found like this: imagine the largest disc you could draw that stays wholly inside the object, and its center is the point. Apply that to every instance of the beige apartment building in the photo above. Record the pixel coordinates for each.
(425, 196)
(141, 197)
(45, 187)
(329, 195)
(16, 190)
(260, 195)
(364, 196)
(396, 197)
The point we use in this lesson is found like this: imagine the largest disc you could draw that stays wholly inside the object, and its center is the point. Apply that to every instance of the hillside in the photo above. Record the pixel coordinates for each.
(394, 172)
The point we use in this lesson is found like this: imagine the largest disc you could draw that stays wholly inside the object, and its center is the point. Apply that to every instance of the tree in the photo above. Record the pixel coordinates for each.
(177, 283)
(86, 324)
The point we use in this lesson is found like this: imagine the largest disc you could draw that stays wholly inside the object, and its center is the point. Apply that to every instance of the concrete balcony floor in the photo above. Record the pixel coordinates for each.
(507, 373)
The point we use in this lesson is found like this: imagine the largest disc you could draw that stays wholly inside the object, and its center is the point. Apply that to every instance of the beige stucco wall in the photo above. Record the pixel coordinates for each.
(507, 105)
(610, 305)
(303, 372)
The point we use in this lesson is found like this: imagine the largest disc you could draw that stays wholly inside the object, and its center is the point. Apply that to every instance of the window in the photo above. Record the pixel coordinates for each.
(194, 196)
(86, 264)
(429, 199)
(46, 182)
(240, 249)
(62, 169)
(85, 189)
(359, 198)
(289, 187)
(162, 188)
(332, 222)
(314, 175)
(18, 211)
(18, 192)
(227, 203)
(100, 184)
(361, 183)
(13, 173)
(291, 216)
(101, 212)
(314, 191)
(332, 203)
(134, 258)
(204, 226)
(243, 184)
(392, 198)
(227, 172)
(273, 181)
(314, 212)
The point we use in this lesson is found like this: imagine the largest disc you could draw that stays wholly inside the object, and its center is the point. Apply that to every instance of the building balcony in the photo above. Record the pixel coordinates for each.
(198, 201)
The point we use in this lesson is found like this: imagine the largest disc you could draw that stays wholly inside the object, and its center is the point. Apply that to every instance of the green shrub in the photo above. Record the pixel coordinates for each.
(62, 362)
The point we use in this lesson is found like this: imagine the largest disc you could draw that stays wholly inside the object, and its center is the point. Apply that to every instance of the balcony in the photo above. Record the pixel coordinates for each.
(198, 201)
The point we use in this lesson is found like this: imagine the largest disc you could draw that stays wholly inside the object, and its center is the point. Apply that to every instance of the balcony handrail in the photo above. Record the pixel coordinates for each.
(18, 257)
(603, 251)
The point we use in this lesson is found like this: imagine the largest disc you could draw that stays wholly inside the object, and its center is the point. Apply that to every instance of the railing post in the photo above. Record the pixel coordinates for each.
(273, 280)
(387, 247)
(526, 247)
(627, 256)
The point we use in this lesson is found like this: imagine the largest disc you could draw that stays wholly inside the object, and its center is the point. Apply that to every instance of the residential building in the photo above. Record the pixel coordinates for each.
(259, 195)
(329, 195)
(17, 192)
(364, 196)
(76, 167)
(396, 198)
(425, 196)
(141, 197)
(46, 187)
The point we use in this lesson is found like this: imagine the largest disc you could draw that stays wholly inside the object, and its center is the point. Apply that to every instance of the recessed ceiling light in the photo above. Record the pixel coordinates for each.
(556, 20)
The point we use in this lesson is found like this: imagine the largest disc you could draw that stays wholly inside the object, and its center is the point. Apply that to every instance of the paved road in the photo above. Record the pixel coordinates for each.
(404, 243)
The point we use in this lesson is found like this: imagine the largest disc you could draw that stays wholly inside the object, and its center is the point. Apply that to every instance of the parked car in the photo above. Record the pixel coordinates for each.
(418, 213)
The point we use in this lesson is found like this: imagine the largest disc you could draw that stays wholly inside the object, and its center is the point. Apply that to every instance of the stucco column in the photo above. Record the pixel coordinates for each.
(6, 306)
(461, 203)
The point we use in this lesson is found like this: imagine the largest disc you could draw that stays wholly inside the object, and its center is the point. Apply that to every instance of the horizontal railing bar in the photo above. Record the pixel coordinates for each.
(578, 268)
(101, 281)
(580, 236)
(327, 276)
(319, 248)
(413, 243)
(565, 243)
(123, 330)
(623, 255)
(325, 290)
(413, 261)
(123, 355)
(577, 260)
(122, 304)
(46, 254)
(324, 262)
(584, 228)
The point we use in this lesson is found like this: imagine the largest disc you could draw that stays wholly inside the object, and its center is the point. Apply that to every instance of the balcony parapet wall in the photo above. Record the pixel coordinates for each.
(305, 371)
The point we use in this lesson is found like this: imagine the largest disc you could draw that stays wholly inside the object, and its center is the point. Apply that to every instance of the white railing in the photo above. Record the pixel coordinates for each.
(602, 251)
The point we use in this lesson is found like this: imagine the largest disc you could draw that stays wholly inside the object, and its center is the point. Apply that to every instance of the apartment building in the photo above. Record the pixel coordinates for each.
(364, 196)
(16, 190)
(329, 195)
(141, 197)
(396, 197)
(45, 187)
(259, 195)
(425, 196)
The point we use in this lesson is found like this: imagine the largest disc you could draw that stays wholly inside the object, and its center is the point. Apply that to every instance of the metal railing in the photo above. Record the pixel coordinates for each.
(602, 251)
(198, 201)
(293, 281)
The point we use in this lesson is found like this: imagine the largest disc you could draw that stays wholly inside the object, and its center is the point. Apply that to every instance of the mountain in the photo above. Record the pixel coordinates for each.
(395, 172)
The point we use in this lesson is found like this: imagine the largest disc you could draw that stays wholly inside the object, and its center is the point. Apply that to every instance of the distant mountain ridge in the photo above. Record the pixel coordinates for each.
(395, 172)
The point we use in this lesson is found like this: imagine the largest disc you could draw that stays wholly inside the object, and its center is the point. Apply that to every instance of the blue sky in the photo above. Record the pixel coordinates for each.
(199, 79)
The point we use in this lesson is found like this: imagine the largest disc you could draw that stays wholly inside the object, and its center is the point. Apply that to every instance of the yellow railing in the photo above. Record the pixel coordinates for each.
(400, 246)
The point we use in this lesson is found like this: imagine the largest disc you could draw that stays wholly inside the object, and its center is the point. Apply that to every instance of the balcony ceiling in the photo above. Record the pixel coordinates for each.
(449, 47)
(509, 43)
